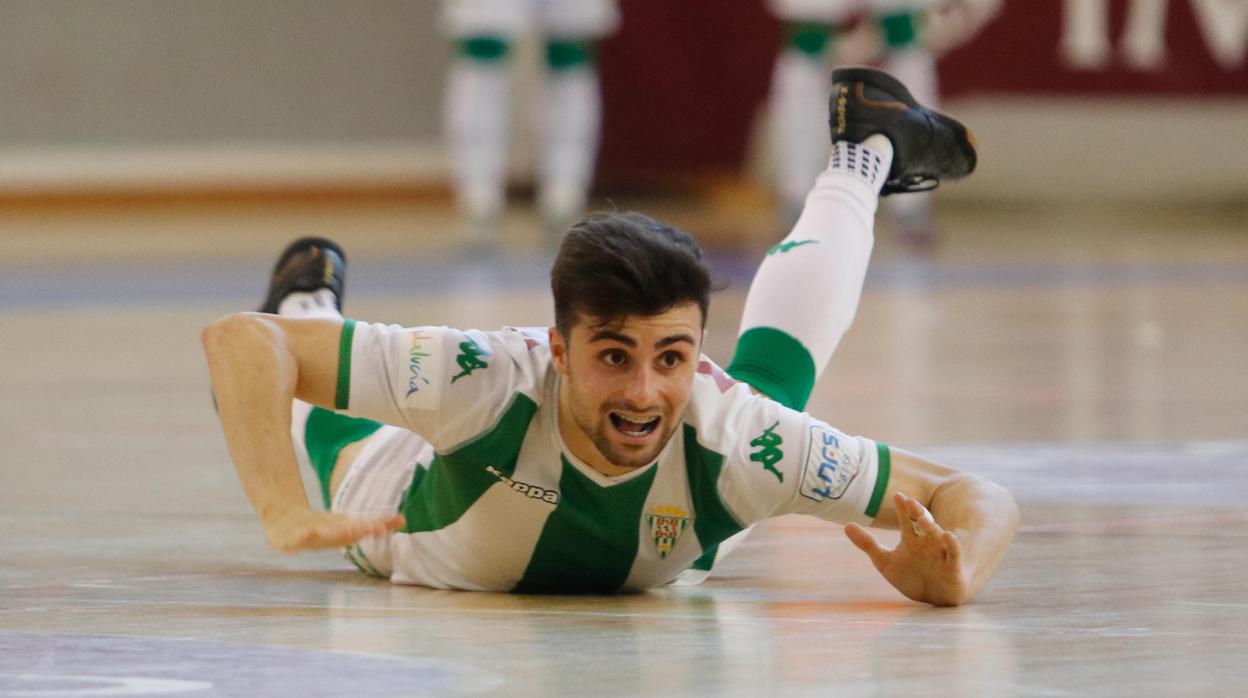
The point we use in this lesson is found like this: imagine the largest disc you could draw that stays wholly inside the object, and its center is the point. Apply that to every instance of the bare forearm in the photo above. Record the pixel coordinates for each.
(254, 377)
(984, 517)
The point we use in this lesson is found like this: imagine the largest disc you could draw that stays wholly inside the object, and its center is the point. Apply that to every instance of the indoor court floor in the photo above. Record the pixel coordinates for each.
(1093, 361)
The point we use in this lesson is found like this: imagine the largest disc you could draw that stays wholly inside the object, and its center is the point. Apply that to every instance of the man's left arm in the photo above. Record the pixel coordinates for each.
(955, 528)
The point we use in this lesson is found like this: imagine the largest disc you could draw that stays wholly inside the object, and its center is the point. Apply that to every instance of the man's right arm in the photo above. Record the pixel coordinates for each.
(259, 364)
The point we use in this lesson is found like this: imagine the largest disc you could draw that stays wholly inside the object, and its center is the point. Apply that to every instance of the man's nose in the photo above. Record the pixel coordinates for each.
(642, 389)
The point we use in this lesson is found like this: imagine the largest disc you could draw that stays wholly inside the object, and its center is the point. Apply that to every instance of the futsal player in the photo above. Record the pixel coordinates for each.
(605, 453)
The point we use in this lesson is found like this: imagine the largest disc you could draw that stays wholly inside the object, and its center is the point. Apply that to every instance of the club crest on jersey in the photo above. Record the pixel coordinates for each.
(666, 525)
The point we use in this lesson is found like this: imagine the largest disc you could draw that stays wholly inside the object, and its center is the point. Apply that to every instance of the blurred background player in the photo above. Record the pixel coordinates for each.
(567, 108)
(903, 36)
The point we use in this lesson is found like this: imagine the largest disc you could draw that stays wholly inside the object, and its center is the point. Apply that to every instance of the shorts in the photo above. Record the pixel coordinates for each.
(567, 19)
(374, 486)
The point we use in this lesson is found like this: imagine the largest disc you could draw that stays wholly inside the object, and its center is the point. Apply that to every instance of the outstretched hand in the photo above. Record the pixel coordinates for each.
(313, 529)
(927, 564)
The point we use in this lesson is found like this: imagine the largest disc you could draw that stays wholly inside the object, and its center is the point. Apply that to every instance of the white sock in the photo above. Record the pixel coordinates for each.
(569, 117)
(800, 86)
(806, 291)
(477, 124)
(315, 304)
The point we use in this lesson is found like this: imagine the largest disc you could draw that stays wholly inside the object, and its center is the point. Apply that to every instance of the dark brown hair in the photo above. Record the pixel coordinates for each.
(612, 265)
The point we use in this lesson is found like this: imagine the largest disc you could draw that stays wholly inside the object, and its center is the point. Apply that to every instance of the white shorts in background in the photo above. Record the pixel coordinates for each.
(836, 11)
(573, 19)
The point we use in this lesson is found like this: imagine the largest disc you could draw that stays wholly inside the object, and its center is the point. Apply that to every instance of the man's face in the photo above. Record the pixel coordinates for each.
(625, 385)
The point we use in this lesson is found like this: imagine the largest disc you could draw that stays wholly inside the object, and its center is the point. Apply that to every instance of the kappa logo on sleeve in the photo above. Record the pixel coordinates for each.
(829, 466)
(470, 358)
(423, 361)
(768, 444)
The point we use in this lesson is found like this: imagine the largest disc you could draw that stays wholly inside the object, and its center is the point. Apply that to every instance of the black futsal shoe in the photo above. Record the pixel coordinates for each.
(927, 146)
(307, 264)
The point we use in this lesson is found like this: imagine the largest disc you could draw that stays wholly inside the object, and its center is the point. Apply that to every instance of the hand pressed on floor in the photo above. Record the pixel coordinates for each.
(927, 564)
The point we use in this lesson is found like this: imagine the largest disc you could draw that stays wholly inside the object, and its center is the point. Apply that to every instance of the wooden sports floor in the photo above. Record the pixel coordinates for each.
(1093, 361)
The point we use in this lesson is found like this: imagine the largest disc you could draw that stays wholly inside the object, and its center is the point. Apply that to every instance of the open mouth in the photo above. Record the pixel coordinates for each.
(634, 427)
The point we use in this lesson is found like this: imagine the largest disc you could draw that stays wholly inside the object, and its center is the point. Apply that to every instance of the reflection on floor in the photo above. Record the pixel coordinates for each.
(1091, 361)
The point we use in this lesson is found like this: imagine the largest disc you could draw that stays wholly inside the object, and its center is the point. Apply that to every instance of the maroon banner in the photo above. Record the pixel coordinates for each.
(1106, 47)
(681, 86)
(683, 81)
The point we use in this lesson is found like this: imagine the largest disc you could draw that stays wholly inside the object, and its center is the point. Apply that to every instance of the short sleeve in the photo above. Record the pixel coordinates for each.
(445, 384)
(780, 461)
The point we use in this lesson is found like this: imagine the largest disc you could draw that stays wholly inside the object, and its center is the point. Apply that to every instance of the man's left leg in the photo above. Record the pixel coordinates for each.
(806, 291)
(804, 295)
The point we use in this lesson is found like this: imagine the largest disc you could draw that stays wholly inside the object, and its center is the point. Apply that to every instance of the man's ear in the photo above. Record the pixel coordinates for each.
(558, 350)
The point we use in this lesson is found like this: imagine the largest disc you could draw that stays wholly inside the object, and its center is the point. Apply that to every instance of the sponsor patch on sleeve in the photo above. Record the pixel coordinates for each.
(424, 363)
(830, 464)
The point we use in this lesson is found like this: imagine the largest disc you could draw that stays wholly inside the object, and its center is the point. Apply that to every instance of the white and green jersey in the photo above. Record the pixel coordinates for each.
(494, 500)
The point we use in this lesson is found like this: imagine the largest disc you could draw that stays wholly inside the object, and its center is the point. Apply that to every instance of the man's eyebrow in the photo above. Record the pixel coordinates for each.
(612, 335)
(668, 341)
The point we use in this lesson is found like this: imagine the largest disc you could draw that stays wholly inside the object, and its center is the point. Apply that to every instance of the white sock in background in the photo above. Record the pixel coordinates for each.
(800, 86)
(569, 116)
(477, 124)
(915, 67)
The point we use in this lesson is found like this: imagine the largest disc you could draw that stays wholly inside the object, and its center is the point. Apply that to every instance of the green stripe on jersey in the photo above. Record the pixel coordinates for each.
(881, 479)
(454, 481)
(343, 395)
(711, 519)
(589, 542)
